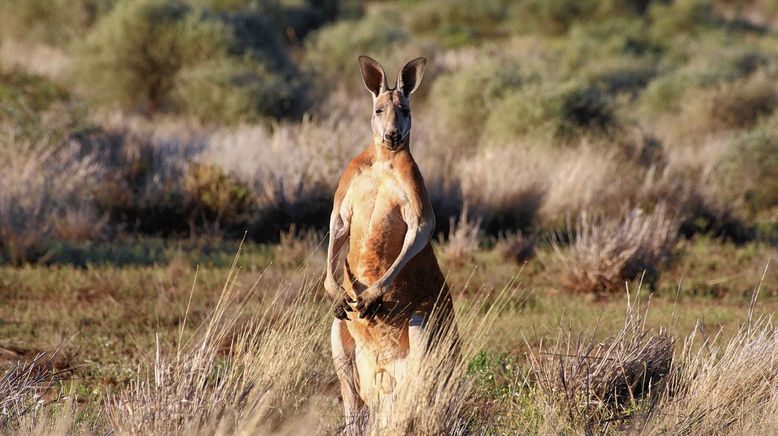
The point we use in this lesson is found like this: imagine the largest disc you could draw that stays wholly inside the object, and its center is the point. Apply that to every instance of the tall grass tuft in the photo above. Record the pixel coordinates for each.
(463, 240)
(239, 373)
(723, 389)
(249, 373)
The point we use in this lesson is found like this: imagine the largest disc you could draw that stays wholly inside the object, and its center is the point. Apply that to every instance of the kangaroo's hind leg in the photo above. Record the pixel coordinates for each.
(343, 356)
(432, 331)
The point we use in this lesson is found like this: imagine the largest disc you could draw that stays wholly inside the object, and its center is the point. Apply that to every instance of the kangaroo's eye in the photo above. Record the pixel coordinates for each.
(405, 111)
(378, 111)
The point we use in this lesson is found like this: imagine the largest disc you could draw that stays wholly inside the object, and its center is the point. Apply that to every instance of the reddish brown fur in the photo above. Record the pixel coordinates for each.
(382, 206)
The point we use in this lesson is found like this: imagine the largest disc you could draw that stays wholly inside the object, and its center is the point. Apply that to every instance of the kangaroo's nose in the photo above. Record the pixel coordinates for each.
(392, 136)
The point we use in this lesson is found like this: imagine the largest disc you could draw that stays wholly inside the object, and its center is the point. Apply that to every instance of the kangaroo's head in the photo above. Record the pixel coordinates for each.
(391, 119)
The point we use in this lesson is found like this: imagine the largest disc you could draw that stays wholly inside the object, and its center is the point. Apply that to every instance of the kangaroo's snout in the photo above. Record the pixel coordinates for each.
(393, 137)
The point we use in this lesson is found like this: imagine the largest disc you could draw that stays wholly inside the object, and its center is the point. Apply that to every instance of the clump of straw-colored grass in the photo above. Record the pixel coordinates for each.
(605, 253)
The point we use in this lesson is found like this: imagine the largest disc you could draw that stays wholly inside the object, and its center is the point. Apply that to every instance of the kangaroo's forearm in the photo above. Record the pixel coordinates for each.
(416, 238)
(339, 232)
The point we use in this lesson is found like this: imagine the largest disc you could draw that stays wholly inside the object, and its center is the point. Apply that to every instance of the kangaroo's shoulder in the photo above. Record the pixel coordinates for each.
(355, 166)
(407, 168)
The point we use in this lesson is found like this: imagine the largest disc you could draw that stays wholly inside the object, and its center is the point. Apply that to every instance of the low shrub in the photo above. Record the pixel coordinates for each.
(588, 384)
(465, 99)
(55, 22)
(214, 198)
(681, 16)
(748, 170)
(515, 247)
(332, 50)
(293, 19)
(701, 63)
(459, 22)
(164, 55)
(735, 105)
(605, 253)
(552, 17)
(559, 113)
(501, 189)
(40, 183)
(35, 109)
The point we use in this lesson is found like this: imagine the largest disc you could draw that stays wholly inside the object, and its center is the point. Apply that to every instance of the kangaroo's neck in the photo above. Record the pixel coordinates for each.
(381, 153)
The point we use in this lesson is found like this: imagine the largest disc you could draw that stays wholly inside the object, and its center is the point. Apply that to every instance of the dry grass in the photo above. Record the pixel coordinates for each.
(290, 167)
(461, 245)
(25, 389)
(255, 360)
(605, 253)
(729, 388)
(504, 186)
(298, 247)
(264, 373)
(239, 373)
(39, 184)
(599, 385)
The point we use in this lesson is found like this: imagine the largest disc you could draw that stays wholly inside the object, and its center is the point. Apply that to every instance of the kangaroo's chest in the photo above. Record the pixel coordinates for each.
(375, 200)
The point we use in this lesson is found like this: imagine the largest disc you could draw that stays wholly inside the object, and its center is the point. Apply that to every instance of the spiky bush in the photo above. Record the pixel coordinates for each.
(605, 253)
(591, 385)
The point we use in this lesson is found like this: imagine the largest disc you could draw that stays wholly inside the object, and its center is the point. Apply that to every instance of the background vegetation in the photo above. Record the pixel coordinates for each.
(580, 145)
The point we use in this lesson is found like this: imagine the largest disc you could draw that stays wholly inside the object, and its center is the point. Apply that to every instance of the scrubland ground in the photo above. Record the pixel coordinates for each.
(110, 332)
(604, 176)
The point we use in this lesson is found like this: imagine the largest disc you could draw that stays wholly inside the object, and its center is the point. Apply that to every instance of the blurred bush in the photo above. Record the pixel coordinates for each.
(294, 19)
(214, 197)
(42, 188)
(332, 51)
(551, 17)
(729, 106)
(459, 22)
(681, 16)
(465, 99)
(55, 22)
(554, 112)
(748, 170)
(35, 109)
(652, 100)
(165, 55)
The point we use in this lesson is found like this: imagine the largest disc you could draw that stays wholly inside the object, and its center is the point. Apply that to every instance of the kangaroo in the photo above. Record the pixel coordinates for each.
(391, 278)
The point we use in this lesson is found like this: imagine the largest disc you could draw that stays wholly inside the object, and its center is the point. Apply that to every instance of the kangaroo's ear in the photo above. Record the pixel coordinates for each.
(372, 75)
(410, 76)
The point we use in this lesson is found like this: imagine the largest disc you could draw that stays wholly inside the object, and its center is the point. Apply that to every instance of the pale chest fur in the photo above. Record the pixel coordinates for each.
(375, 202)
